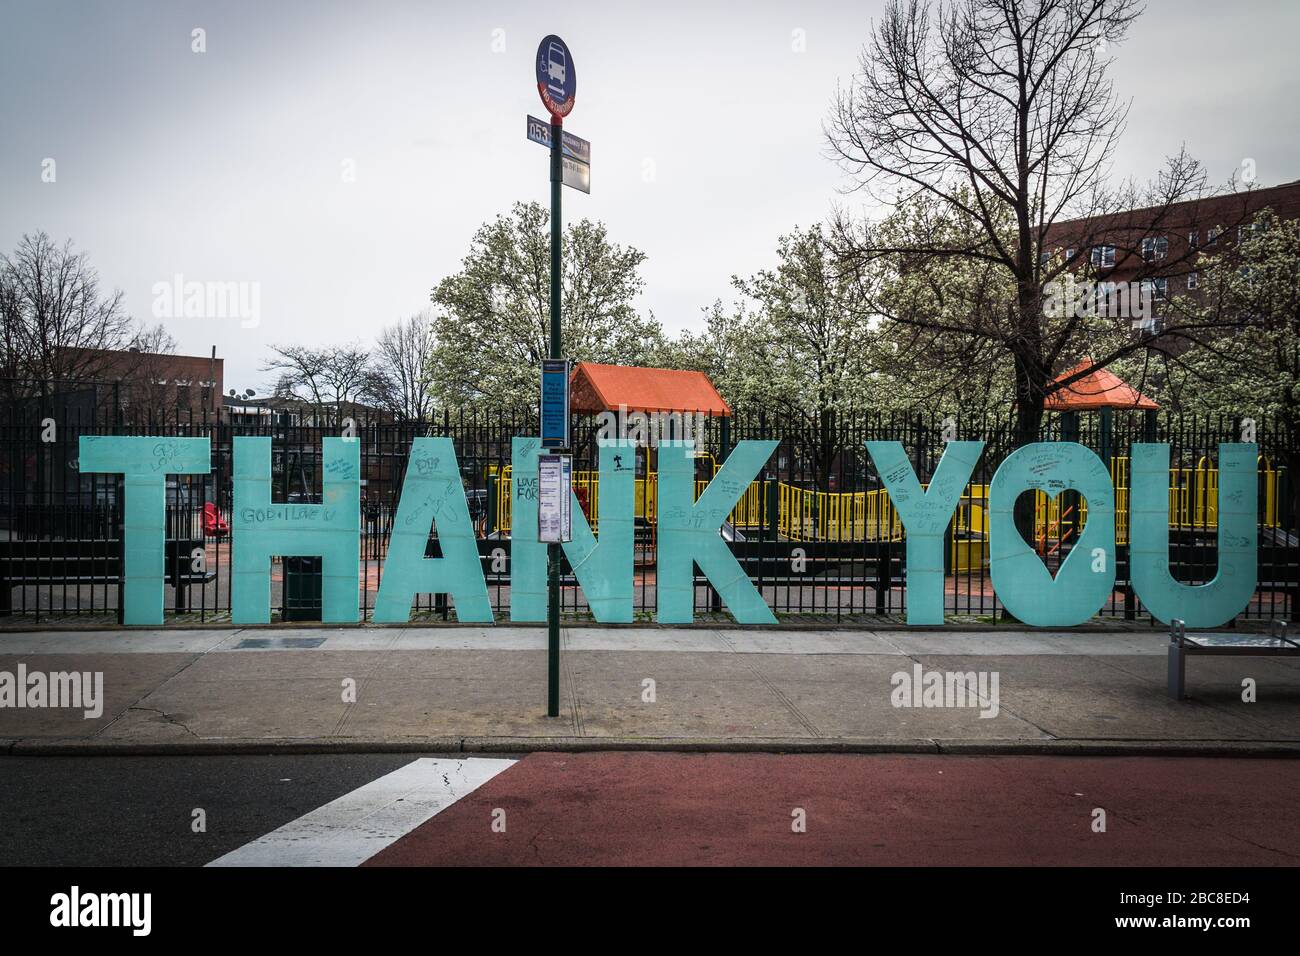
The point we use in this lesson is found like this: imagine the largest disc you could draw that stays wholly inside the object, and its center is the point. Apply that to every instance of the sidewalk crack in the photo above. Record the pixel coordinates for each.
(532, 843)
(167, 718)
(135, 705)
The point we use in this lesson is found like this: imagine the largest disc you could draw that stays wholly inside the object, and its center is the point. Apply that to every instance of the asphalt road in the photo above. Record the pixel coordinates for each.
(138, 811)
(624, 808)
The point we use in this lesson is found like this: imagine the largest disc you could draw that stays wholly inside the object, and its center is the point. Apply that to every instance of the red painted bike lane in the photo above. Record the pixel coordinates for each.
(890, 810)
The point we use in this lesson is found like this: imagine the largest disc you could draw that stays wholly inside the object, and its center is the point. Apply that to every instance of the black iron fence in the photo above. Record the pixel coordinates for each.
(815, 530)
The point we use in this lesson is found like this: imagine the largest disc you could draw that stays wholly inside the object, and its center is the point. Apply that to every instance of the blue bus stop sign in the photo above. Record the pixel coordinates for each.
(556, 80)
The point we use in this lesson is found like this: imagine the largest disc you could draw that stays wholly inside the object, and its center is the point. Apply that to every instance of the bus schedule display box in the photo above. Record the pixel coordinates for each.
(555, 498)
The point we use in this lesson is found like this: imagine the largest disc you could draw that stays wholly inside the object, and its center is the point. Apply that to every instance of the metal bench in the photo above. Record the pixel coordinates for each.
(1181, 646)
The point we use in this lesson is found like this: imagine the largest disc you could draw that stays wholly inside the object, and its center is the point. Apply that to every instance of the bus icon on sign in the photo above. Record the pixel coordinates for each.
(556, 77)
(555, 67)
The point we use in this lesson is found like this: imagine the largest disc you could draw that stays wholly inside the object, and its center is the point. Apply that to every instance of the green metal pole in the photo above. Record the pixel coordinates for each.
(553, 550)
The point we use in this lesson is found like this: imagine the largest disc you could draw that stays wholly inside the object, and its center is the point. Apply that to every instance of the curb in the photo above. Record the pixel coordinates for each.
(1062, 747)
(77, 747)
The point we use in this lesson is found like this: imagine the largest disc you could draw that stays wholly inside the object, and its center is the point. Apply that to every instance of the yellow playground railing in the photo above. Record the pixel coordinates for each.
(807, 515)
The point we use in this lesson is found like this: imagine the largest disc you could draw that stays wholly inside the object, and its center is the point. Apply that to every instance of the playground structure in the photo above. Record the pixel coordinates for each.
(776, 509)
(805, 515)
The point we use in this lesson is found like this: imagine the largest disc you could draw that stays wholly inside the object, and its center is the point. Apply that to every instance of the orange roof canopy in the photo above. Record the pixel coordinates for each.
(1098, 389)
(602, 388)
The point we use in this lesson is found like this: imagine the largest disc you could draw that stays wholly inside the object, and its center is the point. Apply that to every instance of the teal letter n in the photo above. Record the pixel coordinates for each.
(604, 567)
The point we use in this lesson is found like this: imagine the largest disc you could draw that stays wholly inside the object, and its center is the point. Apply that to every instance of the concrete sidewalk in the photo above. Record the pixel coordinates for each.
(451, 689)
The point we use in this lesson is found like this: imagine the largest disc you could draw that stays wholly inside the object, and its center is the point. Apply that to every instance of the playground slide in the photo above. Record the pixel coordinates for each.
(730, 533)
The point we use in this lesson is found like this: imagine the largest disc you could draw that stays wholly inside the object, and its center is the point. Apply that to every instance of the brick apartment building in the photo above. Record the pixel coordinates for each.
(1163, 246)
(164, 384)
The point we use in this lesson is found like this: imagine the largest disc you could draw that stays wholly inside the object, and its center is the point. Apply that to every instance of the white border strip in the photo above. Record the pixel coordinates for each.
(889, 643)
(350, 830)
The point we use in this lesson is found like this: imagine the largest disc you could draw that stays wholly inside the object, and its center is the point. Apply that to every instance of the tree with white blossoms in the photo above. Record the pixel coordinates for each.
(931, 350)
(797, 342)
(811, 319)
(811, 322)
(492, 319)
(737, 356)
(1253, 371)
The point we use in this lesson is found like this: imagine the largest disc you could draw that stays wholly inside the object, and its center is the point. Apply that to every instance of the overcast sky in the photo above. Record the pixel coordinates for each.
(705, 120)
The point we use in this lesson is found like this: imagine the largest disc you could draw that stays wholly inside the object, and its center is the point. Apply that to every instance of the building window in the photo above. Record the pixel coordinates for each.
(1249, 231)
(1194, 238)
(1154, 247)
(1212, 236)
(1158, 289)
(1192, 280)
(1069, 254)
(1103, 256)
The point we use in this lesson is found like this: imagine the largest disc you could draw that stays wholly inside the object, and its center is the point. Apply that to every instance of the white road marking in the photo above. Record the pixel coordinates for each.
(350, 830)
